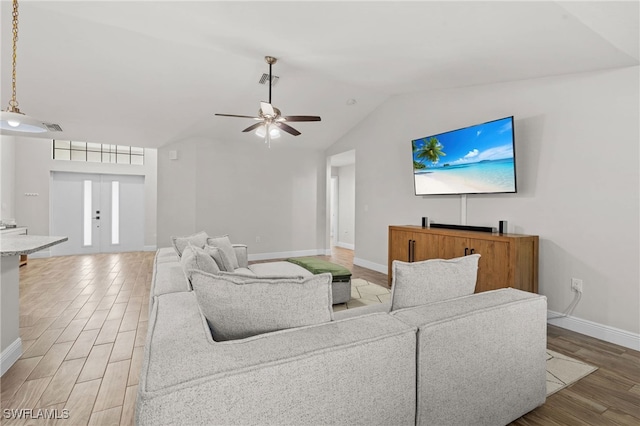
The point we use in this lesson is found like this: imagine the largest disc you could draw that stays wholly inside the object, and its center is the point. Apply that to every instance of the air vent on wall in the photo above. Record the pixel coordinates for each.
(53, 127)
(265, 79)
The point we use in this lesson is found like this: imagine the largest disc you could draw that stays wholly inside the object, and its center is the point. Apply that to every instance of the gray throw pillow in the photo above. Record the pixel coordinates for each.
(433, 280)
(197, 258)
(240, 307)
(198, 239)
(229, 254)
(217, 256)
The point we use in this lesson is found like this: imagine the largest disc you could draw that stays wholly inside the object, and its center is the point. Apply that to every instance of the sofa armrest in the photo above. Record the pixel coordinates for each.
(492, 345)
(308, 375)
(241, 254)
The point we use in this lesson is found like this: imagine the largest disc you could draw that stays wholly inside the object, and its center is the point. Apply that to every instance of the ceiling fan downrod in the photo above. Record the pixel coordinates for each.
(270, 60)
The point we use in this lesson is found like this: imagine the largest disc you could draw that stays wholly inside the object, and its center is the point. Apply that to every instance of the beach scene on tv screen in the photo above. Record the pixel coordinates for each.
(476, 159)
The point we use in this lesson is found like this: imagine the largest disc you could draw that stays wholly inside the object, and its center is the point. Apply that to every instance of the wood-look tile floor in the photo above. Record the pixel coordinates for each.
(84, 320)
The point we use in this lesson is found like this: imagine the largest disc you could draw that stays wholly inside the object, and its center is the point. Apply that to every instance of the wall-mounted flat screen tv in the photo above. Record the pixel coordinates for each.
(478, 159)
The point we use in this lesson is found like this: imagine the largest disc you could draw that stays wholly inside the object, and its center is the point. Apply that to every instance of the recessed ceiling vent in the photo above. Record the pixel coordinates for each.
(265, 79)
(53, 127)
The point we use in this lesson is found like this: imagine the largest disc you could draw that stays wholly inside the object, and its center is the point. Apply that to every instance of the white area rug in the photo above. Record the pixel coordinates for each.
(562, 370)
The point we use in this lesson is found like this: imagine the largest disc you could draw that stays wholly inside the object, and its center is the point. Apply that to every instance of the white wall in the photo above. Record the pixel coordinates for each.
(7, 177)
(270, 199)
(347, 204)
(33, 166)
(577, 164)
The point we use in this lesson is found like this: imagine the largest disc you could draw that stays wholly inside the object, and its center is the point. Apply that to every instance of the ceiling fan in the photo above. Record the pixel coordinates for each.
(270, 119)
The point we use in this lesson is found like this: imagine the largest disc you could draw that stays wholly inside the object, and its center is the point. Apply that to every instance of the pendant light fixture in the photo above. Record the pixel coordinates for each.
(12, 118)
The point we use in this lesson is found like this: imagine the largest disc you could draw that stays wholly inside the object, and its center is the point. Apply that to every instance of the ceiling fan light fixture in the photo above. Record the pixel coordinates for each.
(274, 133)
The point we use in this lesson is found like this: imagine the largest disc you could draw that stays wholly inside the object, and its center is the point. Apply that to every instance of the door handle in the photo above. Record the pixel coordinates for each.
(97, 217)
(473, 251)
(466, 251)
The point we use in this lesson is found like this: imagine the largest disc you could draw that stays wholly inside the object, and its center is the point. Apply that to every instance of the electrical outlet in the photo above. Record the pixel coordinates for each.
(576, 285)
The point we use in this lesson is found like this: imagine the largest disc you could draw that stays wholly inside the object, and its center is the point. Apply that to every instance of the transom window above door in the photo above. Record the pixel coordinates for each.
(97, 152)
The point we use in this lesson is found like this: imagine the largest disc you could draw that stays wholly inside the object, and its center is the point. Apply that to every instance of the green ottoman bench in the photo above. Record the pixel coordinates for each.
(341, 285)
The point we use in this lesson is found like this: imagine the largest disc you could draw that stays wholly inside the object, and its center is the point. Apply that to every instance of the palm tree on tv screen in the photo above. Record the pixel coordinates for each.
(431, 150)
(416, 164)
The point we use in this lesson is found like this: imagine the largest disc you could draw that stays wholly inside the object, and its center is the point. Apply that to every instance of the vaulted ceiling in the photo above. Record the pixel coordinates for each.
(146, 73)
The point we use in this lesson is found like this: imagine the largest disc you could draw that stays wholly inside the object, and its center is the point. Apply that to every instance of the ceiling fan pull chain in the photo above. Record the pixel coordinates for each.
(267, 137)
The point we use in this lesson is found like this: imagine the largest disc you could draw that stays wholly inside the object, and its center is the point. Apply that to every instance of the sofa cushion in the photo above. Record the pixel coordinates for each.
(166, 255)
(197, 258)
(239, 307)
(198, 239)
(280, 268)
(168, 277)
(419, 283)
(228, 253)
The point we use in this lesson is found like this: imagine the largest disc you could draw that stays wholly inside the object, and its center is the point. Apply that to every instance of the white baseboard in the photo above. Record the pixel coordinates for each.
(599, 331)
(346, 245)
(371, 265)
(150, 248)
(285, 254)
(10, 355)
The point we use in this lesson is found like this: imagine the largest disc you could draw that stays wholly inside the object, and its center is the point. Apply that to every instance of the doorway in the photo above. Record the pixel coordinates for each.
(341, 200)
(98, 213)
(333, 224)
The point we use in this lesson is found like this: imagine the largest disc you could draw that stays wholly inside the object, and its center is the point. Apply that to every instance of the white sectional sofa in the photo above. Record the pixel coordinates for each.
(472, 360)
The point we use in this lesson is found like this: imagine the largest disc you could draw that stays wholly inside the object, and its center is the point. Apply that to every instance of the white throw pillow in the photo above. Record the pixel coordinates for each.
(198, 239)
(240, 307)
(419, 283)
(228, 253)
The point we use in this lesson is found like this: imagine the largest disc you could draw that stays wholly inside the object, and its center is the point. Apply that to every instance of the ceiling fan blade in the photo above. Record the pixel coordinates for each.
(267, 109)
(287, 128)
(253, 127)
(239, 116)
(302, 118)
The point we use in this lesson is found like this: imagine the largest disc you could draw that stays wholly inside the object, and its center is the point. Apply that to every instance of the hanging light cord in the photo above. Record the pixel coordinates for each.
(13, 103)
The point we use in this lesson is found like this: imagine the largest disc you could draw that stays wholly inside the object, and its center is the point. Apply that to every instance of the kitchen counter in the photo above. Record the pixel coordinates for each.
(12, 246)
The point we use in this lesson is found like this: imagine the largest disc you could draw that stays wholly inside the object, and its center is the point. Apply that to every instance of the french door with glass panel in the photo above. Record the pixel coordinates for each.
(98, 213)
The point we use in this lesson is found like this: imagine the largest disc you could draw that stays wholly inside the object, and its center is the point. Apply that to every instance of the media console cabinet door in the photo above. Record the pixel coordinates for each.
(493, 269)
(408, 246)
(399, 243)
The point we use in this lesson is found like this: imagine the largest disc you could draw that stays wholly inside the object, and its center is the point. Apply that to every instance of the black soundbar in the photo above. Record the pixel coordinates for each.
(462, 227)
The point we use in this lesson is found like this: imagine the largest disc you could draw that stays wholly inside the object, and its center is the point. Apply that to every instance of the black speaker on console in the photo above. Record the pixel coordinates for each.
(502, 227)
(425, 222)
